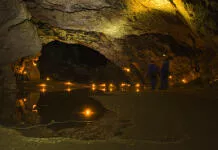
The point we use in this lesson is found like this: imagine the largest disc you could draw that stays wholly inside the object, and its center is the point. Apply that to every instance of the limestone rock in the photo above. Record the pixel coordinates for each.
(18, 37)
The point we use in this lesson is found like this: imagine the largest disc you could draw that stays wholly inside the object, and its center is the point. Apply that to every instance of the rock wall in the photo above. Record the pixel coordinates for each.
(125, 31)
(18, 36)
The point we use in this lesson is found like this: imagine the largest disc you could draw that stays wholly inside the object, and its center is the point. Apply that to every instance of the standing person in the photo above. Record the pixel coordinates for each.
(164, 74)
(152, 73)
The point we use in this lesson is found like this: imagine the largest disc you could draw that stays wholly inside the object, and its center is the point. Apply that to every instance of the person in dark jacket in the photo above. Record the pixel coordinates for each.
(164, 74)
(153, 74)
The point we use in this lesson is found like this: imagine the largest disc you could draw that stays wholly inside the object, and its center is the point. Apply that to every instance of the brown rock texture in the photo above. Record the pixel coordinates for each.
(125, 31)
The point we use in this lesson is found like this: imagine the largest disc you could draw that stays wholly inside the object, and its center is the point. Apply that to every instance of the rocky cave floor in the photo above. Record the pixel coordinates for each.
(181, 118)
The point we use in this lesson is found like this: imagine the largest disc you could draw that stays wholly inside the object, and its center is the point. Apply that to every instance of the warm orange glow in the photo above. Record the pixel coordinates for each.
(68, 83)
(126, 69)
(111, 85)
(24, 99)
(103, 85)
(68, 89)
(93, 88)
(184, 81)
(170, 77)
(43, 90)
(123, 84)
(34, 64)
(87, 112)
(43, 85)
(103, 89)
(21, 69)
(48, 79)
(111, 89)
(93, 85)
(24, 72)
(34, 106)
(137, 90)
(137, 85)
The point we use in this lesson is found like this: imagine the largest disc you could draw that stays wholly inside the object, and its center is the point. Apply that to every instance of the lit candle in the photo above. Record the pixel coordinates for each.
(103, 85)
(93, 85)
(137, 90)
(184, 81)
(123, 84)
(43, 85)
(68, 89)
(103, 89)
(93, 88)
(111, 85)
(87, 112)
(126, 69)
(34, 64)
(43, 90)
(68, 83)
(137, 85)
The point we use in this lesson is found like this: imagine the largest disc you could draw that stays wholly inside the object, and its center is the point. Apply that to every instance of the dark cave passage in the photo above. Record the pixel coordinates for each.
(78, 63)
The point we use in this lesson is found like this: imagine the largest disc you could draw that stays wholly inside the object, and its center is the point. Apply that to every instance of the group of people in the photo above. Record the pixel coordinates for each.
(154, 72)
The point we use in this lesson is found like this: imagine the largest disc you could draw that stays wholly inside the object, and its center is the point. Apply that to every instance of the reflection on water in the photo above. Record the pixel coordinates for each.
(60, 105)
(56, 109)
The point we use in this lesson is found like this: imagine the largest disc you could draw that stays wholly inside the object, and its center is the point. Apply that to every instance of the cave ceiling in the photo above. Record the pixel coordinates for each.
(122, 30)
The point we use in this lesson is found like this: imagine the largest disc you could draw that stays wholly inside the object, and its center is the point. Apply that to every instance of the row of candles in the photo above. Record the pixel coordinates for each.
(102, 87)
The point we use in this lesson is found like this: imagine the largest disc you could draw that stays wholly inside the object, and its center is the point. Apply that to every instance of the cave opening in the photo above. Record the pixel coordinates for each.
(69, 62)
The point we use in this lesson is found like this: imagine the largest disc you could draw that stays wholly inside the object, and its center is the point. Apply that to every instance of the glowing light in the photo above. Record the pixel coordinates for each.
(21, 69)
(93, 88)
(68, 83)
(111, 85)
(68, 89)
(103, 89)
(123, 84)
(137, 85)
(184, 81)
(43, 85)
(103, 85)
(126, 69)
(24, 72)
(34, 106)
(111, 89)
(48, 79)
(164, 55)
(24, 99)
(170, 77)
(137, 90)
(34, 64)
(43, 90)
(87, 112)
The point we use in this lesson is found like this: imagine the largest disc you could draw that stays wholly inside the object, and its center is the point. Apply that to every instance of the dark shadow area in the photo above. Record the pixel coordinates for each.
(55, 110)
(77, 63)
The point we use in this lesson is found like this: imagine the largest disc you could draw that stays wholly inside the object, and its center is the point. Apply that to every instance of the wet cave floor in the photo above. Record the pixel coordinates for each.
(131, 116)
